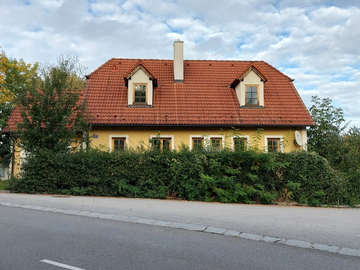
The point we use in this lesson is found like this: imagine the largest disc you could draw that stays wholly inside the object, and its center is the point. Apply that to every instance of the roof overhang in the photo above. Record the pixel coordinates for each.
(203, 125)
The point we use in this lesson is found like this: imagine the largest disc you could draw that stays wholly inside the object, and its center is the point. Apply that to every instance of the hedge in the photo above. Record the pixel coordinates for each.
(226, 176)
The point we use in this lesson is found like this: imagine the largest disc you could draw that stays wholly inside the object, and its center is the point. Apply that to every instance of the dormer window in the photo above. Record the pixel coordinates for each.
(140, 93)
(140, 83)
(249, 88)
(252, 95)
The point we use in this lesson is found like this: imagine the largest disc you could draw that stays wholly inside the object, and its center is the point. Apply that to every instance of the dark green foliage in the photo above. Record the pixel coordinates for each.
(310, 179)
(325, 136)
(4, 184)
(341, 148)
(233, 177)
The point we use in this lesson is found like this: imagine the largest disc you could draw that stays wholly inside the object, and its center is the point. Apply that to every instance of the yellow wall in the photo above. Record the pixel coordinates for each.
(141, 137)
(17, 159)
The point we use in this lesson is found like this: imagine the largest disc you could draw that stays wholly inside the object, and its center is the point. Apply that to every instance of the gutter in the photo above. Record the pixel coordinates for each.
(199, 125)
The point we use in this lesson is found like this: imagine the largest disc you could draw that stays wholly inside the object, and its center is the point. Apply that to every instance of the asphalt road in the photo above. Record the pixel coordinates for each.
(330, 226)
(28, 237)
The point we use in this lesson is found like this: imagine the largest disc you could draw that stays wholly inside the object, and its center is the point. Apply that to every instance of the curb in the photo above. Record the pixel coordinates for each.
(195, 227)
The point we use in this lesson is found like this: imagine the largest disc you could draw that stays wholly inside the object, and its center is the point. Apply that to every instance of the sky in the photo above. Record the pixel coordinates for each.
(315, 42)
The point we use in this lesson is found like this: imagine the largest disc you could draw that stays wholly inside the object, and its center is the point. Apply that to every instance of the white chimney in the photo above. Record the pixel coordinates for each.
(179, 61)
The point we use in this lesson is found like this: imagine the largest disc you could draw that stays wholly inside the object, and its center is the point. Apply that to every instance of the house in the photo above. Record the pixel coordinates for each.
(167, 104)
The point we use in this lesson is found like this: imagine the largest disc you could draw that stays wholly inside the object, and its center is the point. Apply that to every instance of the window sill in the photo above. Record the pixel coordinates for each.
(252, 107)
(140, 106)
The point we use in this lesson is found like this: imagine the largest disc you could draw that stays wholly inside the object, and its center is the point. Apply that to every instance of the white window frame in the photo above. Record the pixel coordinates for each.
(274, 137)
(207, 139)
(118, 136)
(163, 137)
(247, 137)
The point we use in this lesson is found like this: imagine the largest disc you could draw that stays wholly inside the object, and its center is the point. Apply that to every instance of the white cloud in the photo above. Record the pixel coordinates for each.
(314, 43)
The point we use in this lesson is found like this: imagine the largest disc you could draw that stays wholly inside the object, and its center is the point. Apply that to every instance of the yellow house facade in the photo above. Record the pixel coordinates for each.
(135, 139)
(254, 139)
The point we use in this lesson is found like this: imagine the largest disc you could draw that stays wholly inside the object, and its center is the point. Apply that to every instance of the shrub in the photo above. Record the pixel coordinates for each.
(246, 177)
(310, 179)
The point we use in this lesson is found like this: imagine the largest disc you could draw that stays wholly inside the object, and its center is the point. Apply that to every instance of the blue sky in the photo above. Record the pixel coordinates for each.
(316, 42)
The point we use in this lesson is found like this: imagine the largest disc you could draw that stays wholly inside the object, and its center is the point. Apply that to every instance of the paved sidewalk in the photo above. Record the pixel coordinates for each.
(328, 226)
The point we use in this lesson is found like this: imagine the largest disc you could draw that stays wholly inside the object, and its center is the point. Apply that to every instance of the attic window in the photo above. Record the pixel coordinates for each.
(252, 95)
(140, 93)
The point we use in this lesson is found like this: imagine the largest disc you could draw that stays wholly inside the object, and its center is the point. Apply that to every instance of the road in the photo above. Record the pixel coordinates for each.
(338, 227)
(27, 237)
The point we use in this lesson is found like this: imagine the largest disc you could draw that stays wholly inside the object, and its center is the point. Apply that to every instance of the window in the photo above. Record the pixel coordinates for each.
(251, 95)
(166, 144)
(140, 93)
(161, 144)
(119, 143)
(2, 171)
(216, 143)
(197, 143)
(240, 144)
(273, 144)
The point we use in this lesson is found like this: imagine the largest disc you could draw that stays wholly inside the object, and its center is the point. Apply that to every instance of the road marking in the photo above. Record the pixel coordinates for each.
(65, 266)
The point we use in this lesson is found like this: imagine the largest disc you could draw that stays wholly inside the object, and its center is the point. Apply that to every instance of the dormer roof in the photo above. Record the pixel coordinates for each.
(136, 67)
(139, 66)
(243, 74)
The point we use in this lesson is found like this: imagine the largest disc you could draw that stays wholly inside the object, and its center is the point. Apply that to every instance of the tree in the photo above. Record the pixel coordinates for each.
(53, 110)
(351, 159)
(15, 77)
(351, 164)
(325, 137)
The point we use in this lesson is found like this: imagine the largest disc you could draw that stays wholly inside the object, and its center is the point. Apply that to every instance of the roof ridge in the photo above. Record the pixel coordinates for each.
(200, 60)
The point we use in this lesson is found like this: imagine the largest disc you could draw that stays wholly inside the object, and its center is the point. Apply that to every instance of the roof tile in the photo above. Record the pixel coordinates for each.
(203, 99)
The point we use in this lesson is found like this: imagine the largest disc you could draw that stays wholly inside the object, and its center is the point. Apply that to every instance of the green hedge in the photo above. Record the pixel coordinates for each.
(246, 177)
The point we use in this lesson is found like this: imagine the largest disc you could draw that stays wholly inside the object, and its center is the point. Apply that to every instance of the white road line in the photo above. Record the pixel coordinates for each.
(65, 266)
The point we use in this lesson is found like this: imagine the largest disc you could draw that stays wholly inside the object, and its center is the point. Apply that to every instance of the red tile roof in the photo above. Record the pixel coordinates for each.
(203, 99)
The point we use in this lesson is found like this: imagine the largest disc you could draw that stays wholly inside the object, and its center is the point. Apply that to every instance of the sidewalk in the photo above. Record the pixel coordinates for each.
(329, 226)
